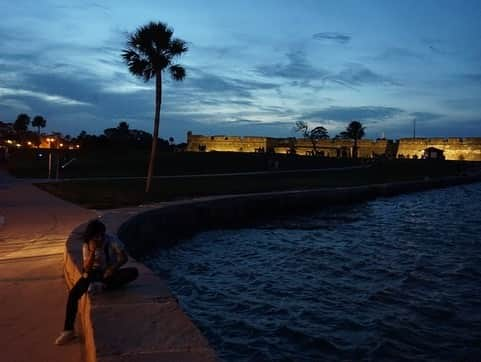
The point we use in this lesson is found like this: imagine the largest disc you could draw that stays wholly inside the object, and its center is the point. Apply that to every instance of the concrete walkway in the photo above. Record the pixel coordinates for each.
(33, 229)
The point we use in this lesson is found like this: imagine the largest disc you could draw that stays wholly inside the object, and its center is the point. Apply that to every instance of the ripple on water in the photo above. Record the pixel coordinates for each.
(392, 279)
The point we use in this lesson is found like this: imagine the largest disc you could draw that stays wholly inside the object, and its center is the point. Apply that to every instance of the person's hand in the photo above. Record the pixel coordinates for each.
(108, 273)
(92, 245)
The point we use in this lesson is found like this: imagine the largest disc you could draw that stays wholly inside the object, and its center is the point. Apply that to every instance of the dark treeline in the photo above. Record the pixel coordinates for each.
(123, 136)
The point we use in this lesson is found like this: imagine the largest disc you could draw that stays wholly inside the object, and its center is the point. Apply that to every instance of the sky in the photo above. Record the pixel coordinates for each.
(253, 67)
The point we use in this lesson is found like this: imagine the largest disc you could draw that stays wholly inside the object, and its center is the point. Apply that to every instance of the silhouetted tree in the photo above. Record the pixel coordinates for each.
(39, 122)
(21, 125)
(314, 134)
(123, 127)
(150, 51)
(120, 134)
(354, 131)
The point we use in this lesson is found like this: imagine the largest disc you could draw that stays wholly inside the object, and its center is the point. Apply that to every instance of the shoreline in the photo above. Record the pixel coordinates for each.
(175, 221)
(150, 298)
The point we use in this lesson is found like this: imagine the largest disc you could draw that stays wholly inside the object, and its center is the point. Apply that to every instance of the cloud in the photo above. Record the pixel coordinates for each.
(126, 88)
(344, 114)
(435, 46)
(224, 85)
(434, 128)
(297, 68)
(472, 104)
(251, 122)
(357, 75)
(10, 106)
(401, 54)
(425, 116)
(50, 98)
(240, 127)
(332, 37)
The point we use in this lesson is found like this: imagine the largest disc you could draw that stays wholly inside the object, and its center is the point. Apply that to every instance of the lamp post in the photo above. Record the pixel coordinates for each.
(50, 140)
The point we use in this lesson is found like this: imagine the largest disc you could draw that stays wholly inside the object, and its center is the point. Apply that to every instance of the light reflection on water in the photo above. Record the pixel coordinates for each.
(392, 279)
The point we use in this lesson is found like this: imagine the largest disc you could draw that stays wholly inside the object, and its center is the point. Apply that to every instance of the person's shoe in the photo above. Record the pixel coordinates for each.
(65, 337)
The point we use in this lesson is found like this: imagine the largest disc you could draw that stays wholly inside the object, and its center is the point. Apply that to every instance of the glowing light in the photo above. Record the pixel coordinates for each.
(9, 142)
(18, 145)
(61, 145)
(78, 146)
(29, 143)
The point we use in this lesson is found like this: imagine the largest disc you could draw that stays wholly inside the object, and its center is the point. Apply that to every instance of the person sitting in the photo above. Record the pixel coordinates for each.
(103, 255)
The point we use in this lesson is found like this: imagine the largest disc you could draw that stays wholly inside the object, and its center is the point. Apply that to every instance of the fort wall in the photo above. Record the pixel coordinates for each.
(302, 146)
(468, 149)
(198, 143)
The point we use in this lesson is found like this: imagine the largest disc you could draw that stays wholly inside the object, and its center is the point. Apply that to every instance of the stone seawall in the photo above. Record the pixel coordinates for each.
(180, 220)
(143, 321)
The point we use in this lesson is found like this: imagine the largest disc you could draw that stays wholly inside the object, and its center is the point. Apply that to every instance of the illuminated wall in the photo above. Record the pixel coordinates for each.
(468, 149)
(303, 146)
(197, 143)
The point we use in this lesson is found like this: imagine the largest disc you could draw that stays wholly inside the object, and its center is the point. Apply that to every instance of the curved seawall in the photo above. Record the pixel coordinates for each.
(167, 225)
(144, 322)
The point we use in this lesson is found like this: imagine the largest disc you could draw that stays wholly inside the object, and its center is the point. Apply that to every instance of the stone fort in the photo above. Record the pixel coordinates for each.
(468, 149)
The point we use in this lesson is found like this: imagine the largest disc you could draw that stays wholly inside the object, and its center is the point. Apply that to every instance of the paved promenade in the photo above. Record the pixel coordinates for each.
(33, 229)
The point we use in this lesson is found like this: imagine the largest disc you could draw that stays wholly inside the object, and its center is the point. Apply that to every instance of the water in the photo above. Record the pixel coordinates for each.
(392, 279)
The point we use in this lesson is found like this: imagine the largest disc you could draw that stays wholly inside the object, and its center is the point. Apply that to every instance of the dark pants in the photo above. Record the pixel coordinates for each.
(119, 278)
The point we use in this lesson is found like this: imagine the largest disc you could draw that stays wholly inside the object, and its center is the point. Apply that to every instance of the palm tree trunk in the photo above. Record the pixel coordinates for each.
(153, 151)
(354, 151)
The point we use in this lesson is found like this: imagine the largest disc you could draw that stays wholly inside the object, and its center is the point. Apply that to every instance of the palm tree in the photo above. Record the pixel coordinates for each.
(20, 125)
(354, 131)
(315, 134)
(39, 122)
(150, 51)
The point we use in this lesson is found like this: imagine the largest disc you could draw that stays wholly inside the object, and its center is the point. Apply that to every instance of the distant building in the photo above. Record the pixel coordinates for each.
(6, 130)
(452, 148)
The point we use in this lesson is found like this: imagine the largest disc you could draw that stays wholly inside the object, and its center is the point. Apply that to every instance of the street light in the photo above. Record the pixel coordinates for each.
(50, 140)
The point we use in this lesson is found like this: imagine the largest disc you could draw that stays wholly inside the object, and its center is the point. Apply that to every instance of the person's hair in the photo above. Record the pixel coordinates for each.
(93, 228)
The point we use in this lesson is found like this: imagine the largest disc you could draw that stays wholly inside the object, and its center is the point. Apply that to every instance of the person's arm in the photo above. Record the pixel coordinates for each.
(120, 258)
(88, 251)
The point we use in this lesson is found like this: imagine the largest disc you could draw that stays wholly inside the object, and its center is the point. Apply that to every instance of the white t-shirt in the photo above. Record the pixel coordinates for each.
(111, 245)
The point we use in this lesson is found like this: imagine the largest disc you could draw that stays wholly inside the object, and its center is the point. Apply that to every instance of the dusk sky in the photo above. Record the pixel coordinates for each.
(253, 67)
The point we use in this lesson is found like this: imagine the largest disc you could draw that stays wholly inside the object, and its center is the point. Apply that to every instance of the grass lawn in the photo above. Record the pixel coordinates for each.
(119, 193)
(118, 162)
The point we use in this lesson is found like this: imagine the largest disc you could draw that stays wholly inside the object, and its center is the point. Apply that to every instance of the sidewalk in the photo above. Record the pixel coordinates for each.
(33, 229)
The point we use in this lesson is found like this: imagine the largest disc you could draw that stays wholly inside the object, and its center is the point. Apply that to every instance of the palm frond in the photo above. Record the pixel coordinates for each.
(150, 50)
(177, 47)
(138, 65)
(177, 72)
